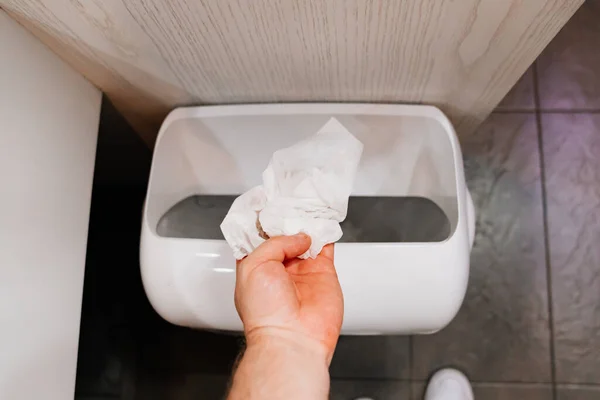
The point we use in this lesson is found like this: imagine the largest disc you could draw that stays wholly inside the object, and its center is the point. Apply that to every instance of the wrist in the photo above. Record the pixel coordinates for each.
(281, 364)
(289, 342)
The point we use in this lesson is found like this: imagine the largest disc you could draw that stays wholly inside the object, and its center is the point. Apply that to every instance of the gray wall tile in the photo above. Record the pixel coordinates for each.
(122, 158)
(187, 351)
(79, 397)
(569, 68)
(572, 158)
(501, 332)
(521, 96)
(377, 357)
(163, 386)
(575, 392)
(378, 390)
(498, 391)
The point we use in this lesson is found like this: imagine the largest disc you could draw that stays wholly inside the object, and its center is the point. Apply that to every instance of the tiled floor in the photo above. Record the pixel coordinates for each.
(530, 325)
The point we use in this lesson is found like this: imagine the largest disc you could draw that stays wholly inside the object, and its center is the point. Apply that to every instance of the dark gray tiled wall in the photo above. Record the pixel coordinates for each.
(375, 389)
(371, 357)
(578, 392)
(521, 96)
(501, 333)
(497, 391)
(568, 69)
(572, 154)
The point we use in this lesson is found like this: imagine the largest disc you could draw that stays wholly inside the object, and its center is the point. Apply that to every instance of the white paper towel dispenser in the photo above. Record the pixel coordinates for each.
(404, 262)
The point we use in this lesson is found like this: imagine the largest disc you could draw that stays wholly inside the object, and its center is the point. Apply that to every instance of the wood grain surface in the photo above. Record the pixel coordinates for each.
(150, 56)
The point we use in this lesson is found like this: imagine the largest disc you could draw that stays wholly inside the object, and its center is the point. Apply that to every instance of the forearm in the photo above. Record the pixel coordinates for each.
(281, 368)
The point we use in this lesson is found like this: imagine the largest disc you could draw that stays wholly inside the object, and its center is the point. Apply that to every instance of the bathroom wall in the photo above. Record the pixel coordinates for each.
(48, 128)
(149, 56)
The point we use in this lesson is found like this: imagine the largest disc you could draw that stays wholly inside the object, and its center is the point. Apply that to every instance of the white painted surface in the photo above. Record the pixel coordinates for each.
(48, 128)
(408, 151)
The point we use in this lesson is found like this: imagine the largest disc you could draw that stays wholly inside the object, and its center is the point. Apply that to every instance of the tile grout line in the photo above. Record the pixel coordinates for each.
(593, 385)
(538, 121)
(569, 111)
(514, 111)
(545, 111)
(474, 382)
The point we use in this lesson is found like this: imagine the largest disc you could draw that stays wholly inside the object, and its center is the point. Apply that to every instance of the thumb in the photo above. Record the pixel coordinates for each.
(276, 249)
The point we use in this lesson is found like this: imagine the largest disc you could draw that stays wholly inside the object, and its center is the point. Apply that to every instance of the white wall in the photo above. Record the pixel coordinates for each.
(48, 129)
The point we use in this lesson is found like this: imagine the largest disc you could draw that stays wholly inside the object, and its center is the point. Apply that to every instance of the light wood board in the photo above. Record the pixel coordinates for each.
(150, 56)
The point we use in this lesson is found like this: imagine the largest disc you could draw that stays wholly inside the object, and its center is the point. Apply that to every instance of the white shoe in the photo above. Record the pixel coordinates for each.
(449, 384)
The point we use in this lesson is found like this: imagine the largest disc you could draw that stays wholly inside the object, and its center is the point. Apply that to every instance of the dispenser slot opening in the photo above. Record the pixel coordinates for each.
(370, 219)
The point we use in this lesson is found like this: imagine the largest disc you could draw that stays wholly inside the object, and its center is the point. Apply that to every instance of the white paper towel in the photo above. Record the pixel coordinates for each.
(305, 189)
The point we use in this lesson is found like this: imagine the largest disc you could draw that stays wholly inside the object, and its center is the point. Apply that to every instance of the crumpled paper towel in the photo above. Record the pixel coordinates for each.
(305, 189)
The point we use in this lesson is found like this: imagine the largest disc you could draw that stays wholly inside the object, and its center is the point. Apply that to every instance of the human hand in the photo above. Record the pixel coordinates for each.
(279, 296)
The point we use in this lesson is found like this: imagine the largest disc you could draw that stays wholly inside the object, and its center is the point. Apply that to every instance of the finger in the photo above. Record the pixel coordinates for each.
(277, 249)
(323, 263)
(328, 251)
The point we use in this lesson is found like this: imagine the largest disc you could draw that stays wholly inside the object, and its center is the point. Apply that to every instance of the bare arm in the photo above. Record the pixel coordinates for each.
(281, 368)
(292, 313)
